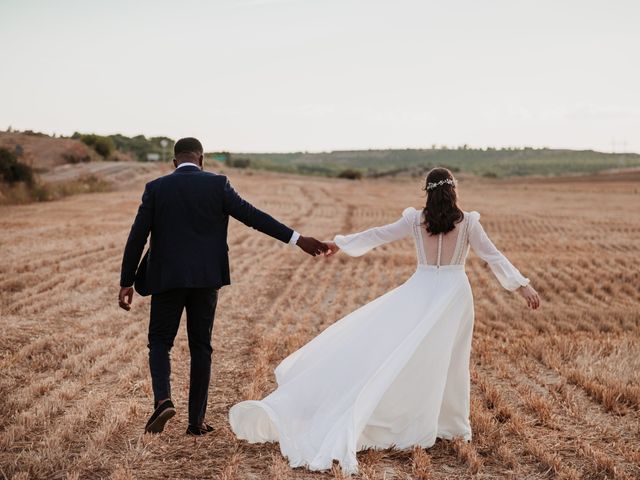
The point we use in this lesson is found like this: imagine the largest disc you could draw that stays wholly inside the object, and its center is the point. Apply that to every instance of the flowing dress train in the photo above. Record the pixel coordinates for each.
(394, 372)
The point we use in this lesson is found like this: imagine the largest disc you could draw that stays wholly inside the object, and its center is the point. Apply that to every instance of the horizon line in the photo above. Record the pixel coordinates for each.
(433, 146)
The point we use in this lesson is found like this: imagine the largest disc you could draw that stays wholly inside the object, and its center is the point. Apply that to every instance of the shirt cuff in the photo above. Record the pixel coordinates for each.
(294, 238)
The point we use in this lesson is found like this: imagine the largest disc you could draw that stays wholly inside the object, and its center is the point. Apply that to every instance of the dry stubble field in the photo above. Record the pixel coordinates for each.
(555, 392)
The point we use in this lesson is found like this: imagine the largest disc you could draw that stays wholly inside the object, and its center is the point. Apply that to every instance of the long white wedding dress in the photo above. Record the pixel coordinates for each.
(394, 372)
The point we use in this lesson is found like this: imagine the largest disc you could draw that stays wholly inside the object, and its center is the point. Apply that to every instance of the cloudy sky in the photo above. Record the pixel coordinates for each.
(288, 75)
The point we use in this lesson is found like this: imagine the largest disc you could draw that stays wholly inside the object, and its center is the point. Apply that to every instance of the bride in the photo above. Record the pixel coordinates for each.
(394, 372)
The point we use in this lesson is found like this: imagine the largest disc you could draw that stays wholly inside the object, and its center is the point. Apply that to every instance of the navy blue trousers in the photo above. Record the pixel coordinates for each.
(166, 310)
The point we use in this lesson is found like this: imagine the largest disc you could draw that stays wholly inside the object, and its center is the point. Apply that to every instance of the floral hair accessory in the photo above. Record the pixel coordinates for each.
(432, 185)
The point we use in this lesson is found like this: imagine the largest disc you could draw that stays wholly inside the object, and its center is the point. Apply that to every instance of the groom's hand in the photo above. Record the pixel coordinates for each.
(311, 246)
(125, 298)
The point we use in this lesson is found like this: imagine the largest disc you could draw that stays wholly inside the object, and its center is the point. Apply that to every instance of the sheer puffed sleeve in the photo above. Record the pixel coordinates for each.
(358, 244)
(508, 275)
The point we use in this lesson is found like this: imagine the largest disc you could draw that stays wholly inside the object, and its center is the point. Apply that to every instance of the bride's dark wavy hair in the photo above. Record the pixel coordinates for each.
(441, 212)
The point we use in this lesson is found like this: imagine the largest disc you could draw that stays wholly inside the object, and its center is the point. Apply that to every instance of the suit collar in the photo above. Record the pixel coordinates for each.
(187, 168)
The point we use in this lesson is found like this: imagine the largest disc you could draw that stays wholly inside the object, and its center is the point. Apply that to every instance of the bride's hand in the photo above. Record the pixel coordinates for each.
(530, 295)
(333, 249)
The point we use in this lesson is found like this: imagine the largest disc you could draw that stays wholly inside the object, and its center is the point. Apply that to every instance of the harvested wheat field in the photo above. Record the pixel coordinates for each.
(555, 394)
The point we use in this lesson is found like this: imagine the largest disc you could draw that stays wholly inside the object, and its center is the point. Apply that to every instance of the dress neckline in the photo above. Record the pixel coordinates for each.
(462, 226)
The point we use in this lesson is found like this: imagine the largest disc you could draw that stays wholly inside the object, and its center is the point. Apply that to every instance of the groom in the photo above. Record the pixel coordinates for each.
(187, 214)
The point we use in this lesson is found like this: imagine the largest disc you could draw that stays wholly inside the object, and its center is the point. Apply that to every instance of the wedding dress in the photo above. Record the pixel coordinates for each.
(394, 372)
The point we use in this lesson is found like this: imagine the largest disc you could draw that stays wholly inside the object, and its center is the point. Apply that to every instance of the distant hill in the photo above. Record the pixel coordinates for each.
(139, 147)
(489, 162)
(43, 152)
(38, 167)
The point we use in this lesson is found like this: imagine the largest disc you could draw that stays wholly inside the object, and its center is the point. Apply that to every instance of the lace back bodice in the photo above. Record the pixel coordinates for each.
(450, 248)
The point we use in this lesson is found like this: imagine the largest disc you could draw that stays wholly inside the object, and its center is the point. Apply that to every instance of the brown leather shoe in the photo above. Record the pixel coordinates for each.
(207, 427)
(162, 413)
(196, 430)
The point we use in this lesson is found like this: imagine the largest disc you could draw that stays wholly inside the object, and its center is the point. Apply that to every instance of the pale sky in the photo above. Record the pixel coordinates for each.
(317, 75)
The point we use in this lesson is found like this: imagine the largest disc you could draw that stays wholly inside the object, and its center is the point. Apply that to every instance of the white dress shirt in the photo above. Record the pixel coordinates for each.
(184, 164)
(294, 237)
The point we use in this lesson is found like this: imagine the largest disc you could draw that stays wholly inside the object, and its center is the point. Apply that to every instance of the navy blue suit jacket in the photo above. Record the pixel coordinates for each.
(187, 214)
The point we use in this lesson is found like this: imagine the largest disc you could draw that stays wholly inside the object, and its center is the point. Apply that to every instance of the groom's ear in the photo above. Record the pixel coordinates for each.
(201, 160)
(175, 163)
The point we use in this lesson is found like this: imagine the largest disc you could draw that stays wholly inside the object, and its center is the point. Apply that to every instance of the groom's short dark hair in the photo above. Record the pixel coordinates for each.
(188, 145)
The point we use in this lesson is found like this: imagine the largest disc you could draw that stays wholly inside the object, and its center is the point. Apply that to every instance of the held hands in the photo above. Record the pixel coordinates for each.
(333, 248)
(530, 295)
(315, 247)
(312, 246)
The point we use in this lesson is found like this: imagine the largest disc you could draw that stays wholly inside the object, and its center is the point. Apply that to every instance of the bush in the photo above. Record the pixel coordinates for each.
(140, 146)
(350, 174)
(89, 183)
(317, 169)
(12, 171)
(42, 193)
(239, 162)
(74, 158)
(35, 134)
(104, 146)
